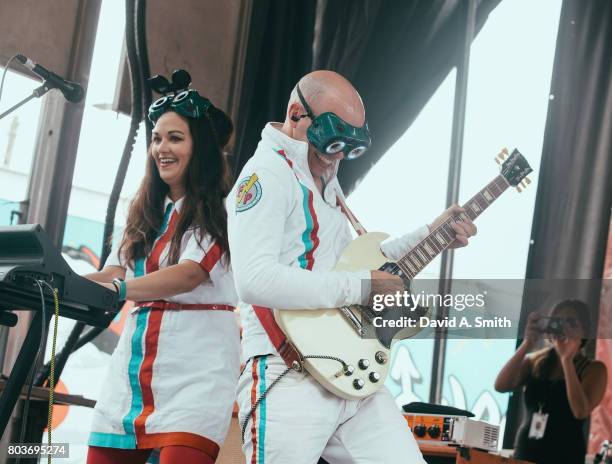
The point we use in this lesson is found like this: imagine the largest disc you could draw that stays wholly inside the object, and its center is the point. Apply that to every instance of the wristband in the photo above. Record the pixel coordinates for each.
(121, 287)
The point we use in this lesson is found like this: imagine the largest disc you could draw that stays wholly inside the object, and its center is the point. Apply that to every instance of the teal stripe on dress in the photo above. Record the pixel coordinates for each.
(166, 220)
(134, 369)
(262, 412)
(112, 440)
(137, 353)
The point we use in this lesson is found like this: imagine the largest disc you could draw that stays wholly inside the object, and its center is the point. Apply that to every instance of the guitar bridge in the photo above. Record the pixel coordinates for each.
(350, 316)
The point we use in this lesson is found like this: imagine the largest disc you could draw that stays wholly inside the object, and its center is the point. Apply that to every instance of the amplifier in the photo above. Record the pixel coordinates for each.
(437, 429)
(475, 434)
(430, 428)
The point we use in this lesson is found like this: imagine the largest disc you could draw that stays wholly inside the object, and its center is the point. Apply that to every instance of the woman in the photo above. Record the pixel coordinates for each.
(562, 386)
(173, 374)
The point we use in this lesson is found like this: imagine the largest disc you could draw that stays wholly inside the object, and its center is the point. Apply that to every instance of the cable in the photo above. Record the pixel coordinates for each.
(142, 52)
(26, 405)
(8, 64)
(260, 399)
(52, 371)
(277, 379)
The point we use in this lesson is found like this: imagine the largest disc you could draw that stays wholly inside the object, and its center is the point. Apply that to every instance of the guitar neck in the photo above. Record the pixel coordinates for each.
(441, 238)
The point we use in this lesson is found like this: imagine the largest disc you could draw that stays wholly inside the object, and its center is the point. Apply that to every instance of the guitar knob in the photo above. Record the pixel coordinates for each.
(349, 370)
(434, 431)
(374, 377)
(381, 357)
(363, 364)
(419, 430)
(358, 384)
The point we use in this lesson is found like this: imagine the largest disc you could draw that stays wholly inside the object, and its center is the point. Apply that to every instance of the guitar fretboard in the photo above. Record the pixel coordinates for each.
(441, 238)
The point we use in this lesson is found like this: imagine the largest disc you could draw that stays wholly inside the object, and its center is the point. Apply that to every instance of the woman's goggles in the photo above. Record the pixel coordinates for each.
(188, 103)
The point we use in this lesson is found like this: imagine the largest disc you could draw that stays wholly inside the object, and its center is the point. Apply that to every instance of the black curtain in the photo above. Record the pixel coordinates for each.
(572, 210)
(396, 54)
(279, 52)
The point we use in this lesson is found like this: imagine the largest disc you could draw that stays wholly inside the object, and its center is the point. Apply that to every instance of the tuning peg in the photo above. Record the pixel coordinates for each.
(527, 180)
(519, 189)
(497, 160)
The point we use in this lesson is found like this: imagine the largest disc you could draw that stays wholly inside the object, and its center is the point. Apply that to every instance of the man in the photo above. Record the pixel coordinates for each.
(286, 233)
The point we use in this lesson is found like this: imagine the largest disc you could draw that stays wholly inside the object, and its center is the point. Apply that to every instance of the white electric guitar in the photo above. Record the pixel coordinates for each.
(332, 341)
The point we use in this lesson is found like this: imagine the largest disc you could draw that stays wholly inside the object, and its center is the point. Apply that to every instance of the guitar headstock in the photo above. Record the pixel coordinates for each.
(515, 168)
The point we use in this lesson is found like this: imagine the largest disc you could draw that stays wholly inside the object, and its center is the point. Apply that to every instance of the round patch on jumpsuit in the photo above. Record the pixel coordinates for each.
(248, 193)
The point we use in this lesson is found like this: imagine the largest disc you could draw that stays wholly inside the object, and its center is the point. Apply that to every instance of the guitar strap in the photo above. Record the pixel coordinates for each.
(287, 350)
(351, 217)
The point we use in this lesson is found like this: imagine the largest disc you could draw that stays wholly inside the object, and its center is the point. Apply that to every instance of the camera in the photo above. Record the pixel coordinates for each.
(552, 325)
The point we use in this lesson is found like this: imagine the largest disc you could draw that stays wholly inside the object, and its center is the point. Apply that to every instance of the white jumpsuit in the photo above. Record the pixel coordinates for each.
(285, 237)
(173, 374)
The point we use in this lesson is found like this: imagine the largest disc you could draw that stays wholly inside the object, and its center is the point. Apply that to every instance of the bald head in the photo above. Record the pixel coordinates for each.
(328, 91)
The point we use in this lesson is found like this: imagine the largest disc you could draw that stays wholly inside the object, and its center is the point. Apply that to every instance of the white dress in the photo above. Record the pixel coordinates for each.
(173, 374)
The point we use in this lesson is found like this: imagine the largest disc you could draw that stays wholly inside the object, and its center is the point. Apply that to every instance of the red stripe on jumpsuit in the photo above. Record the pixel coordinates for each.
(145, 376)
(254, 370)
(211, 258)
(314, 236)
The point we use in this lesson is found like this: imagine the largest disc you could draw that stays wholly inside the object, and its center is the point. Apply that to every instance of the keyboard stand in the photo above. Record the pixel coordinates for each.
(21, 368)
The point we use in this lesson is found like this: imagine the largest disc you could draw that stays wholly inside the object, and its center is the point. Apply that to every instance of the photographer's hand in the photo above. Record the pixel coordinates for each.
(532, 332)
(566, 348)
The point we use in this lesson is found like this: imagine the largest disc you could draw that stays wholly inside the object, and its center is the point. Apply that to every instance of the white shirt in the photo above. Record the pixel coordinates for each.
(219, 289)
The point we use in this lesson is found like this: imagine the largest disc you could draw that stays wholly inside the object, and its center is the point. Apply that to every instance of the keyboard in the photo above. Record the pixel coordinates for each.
(26, 255)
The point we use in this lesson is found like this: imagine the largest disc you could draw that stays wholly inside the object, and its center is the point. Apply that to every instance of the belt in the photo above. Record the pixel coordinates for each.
(182, 306)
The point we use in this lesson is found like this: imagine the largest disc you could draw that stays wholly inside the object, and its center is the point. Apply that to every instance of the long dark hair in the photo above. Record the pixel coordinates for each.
(207, 183)
(544, 360)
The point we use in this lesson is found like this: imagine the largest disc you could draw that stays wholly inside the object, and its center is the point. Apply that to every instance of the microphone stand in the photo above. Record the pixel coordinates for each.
(36, 93)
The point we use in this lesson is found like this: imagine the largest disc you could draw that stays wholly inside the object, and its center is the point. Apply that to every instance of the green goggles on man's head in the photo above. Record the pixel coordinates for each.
(188, 103)
(330, 134)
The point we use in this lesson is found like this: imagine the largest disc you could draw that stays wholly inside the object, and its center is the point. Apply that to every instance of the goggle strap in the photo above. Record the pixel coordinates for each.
(304, 104)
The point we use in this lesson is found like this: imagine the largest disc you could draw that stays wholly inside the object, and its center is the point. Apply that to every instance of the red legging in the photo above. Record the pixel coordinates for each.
(167, 455)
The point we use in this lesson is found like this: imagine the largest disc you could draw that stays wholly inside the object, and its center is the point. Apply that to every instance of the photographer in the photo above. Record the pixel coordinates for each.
(562, 385)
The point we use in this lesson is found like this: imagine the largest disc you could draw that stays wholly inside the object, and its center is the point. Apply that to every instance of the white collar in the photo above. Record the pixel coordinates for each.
(295, 150)
(176, 205)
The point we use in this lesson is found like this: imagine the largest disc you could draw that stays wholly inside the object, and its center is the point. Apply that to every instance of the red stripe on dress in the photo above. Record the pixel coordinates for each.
(145, 376)
(211, 258)
(153, 258)
(254, 418)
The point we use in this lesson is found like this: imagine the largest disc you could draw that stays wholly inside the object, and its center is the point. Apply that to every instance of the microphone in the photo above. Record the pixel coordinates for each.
(8, 319)
(72, 91)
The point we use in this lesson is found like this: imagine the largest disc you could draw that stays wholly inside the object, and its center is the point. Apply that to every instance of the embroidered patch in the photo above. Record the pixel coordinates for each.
(248, 193)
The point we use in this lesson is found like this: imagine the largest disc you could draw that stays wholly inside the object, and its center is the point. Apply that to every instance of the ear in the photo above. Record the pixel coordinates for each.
(293, 114)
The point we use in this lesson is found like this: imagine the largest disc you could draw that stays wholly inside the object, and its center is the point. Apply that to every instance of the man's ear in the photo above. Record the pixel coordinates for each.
(293, 113)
